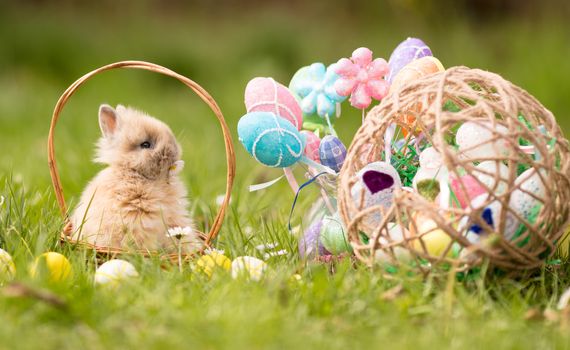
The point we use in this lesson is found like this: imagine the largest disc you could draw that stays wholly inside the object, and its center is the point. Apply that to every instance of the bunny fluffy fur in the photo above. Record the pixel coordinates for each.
(133, 201)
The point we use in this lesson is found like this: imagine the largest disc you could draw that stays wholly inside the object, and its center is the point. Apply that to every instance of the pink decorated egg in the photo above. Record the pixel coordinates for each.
(312, 145)
(466, 188)
(267, 95)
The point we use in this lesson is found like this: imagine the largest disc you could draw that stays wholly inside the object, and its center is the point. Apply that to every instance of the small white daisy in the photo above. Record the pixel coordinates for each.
(269, 255)
(267, 246)
(179, 232)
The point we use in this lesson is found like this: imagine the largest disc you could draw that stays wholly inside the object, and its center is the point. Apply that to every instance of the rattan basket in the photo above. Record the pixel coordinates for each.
(397, 233)
(110, 252)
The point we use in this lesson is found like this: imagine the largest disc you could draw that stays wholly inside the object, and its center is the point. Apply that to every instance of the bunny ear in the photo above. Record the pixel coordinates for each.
(107, 120)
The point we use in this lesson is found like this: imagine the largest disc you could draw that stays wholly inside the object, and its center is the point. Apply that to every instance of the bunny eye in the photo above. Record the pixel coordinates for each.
(145, 144)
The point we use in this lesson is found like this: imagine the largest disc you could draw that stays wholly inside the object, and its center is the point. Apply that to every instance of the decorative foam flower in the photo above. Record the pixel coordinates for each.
(314, 86)
(362, 78)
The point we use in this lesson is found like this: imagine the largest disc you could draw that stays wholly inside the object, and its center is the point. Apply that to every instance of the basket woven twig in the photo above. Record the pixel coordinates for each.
(428, 113)
(203, 94)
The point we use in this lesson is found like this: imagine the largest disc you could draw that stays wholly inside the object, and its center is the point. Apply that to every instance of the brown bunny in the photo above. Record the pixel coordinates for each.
(138, 197)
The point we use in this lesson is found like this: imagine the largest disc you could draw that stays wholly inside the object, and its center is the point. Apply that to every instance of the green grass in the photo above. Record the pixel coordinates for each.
(44, 49)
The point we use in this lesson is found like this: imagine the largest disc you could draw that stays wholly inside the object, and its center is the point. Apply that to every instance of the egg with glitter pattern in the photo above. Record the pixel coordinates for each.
(529, 184)
(310, 244)
(376, 185)
(334, 236)
(267, 95)
(312, 145)
(491, 215)
(271, 140)
(332, 152)
(480, 140)
(408, 50)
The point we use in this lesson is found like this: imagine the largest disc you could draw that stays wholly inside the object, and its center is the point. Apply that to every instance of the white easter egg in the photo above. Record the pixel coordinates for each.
(529, 184)
(491, 214)
(430, 159)
(395, 237)
(375, 187)
(474, 140)
(7, 267)
(499, 178)
(114, 271)
(248, 266)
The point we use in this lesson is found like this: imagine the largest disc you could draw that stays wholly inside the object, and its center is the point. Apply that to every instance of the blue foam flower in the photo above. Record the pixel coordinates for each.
(314, 87)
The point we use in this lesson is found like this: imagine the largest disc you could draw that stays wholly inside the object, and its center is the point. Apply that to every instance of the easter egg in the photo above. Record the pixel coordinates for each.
(490, 213)
(375, 186)
(312, 145)
(271, 140)
(431, 239)
(310, 244)
(391, 243)
(114, 271)
(564, 244)
(465, 189)
(529, 185)
(248, 267)
(407, 51)
(267, 95)
(52, 266)
(429, 173)
(332, 152)
(493, 174)
(7, 267)
(334, 235)
(213, 261)
(479, 140)
(416, 69)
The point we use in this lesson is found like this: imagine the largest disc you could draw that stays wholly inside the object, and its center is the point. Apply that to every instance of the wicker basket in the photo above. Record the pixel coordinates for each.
(399, 232)
(110, 252)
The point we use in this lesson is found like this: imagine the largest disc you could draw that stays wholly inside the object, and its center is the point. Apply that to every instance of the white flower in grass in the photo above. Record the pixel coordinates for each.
(176, 168)
(179, 232)
(264, 247)
(269, 255)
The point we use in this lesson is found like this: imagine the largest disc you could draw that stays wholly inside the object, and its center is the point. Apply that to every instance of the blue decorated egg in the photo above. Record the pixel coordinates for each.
(408, 50)
(332, 152)
(271, 140)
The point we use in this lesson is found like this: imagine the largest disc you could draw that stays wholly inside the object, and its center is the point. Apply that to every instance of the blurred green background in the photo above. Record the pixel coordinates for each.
(46, 45)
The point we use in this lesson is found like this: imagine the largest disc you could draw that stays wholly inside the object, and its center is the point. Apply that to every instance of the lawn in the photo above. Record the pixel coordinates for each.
(44, 49)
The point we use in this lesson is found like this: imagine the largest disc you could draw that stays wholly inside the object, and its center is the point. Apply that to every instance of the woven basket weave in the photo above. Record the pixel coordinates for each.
(421, 114)
(203, 94)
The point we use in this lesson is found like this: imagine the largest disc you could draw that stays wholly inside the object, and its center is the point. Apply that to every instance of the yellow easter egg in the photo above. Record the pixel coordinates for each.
(249, 267)
(211, 262)
(564, 245)
(7, 267)
(435, 240)
(52, 266)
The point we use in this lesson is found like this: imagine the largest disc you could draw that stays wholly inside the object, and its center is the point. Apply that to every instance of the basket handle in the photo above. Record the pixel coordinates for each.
(203, 94)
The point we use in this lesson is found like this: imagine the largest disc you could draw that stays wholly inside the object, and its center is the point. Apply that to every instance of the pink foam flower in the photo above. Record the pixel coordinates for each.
(362, 78)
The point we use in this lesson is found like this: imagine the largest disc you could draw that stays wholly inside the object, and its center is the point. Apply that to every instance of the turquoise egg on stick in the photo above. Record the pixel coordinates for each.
(271, 140)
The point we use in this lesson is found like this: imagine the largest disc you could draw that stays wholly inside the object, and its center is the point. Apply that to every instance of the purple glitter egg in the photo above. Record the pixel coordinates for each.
(310, 244)
(408, 50)
(332, 152)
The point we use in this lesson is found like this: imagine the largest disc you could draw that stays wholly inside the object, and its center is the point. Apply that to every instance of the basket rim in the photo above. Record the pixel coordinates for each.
(155, 68)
